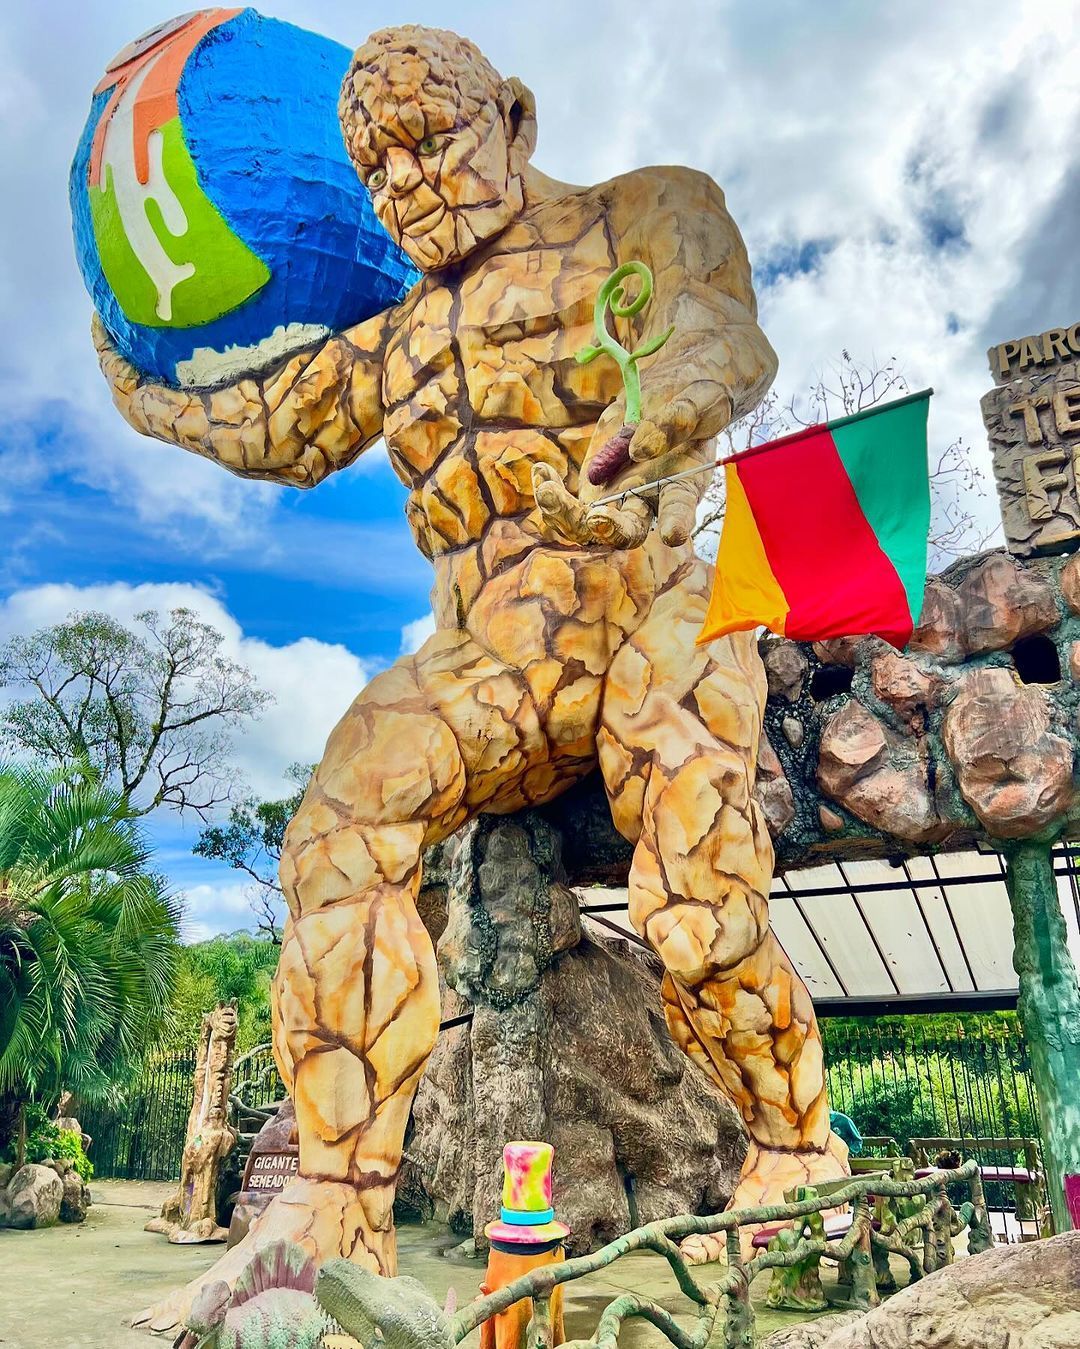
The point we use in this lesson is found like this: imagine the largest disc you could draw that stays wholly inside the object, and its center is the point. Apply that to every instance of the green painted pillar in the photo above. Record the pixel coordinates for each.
(1049, 1010)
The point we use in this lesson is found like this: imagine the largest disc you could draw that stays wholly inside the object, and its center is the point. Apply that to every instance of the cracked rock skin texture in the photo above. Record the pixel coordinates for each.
(550, 656)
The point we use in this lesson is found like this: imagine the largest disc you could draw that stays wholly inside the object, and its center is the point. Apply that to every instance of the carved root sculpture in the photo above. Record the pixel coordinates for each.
(565, 637)
(189, 1215)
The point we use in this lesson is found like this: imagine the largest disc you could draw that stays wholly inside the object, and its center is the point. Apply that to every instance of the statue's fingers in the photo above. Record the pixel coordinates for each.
(561, 510)
(678, 510)
(699, 412)
(622, 524)
(671, 427)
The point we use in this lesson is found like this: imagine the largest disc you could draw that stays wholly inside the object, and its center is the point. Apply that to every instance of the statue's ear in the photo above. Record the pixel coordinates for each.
(519, 109)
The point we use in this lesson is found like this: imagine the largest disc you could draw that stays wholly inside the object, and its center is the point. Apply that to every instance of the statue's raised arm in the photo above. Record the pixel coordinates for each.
(715, 367)
(296, 424)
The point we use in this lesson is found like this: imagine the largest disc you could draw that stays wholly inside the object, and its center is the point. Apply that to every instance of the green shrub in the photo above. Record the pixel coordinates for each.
(45, 1142)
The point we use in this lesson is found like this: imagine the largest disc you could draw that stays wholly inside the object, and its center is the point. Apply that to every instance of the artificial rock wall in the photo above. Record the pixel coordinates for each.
(970, 733)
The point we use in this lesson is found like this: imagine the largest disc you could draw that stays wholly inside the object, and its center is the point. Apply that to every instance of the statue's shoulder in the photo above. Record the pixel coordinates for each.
(662, 187)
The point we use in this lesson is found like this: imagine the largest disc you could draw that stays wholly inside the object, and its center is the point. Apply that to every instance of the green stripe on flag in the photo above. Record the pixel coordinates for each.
(884, 454)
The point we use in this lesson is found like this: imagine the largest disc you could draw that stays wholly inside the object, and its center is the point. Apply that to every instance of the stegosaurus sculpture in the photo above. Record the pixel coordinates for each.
(281, 1301)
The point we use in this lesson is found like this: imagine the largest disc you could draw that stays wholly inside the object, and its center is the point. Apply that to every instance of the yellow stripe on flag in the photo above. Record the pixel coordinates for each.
(745, 592)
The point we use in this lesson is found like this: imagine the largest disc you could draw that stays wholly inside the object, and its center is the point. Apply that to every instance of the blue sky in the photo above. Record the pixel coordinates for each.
(907, 179)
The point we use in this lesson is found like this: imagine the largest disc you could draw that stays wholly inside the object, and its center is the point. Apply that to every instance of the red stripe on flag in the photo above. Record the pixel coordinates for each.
(822, 551)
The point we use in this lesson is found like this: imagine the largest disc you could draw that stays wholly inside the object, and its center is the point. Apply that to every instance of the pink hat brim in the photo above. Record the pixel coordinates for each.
(512, 1234)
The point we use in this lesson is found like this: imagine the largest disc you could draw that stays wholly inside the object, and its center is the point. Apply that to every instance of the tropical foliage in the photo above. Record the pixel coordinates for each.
(235, 968)
(45, 1141)
(88, 938)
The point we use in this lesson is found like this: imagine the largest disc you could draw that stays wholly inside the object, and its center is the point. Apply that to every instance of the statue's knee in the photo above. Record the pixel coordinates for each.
(700, 942)
(321, 868)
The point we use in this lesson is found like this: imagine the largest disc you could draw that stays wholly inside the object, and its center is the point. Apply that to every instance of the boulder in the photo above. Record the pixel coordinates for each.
(811, 1334)
(785, 668)
(938, 634)
(1014, 1297)
(1000, 601)
(567, 1043)
(35, 1194)
(1012, 769)
(905, 688)
(75, 1199)
(773, 790)
(879, 776)
(6, 1172)
(1070, 583)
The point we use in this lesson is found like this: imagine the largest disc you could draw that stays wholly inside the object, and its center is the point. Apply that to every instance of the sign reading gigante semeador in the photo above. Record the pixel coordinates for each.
(271, 1171)
(1032, 419)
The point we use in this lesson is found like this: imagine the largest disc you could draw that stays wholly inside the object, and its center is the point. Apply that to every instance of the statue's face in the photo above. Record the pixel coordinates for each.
(440, 184)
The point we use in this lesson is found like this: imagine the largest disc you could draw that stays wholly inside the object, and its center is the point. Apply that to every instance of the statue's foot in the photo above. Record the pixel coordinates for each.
(766, 1174)
(327, 1218)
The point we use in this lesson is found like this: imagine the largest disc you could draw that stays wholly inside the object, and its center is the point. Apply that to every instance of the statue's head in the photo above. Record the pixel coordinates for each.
(439, 138)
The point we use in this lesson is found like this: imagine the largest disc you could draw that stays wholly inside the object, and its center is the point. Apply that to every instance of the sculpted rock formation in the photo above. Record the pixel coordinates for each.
(567, 1043)
(1013, 1297)
(189, 1215)
(565, 628)
(971, 732)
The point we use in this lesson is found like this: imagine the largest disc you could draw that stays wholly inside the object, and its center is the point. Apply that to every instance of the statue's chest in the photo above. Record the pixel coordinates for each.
(496, 351)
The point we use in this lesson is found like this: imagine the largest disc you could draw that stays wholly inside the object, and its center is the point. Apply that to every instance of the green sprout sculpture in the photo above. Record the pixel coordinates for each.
(615, 454)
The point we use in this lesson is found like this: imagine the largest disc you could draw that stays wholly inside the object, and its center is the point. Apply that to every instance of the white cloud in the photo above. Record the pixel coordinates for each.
(312, 682)
(210, 909)
(416, 633)
(875, 130)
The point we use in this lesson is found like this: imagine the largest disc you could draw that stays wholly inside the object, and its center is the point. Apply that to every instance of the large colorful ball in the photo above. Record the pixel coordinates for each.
(218, 222)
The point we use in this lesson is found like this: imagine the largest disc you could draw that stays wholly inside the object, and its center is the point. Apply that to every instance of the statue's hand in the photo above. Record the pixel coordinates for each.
(120, 374)
(667, 441)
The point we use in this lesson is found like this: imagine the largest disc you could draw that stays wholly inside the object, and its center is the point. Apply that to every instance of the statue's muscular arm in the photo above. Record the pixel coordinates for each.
(311, 416)
(716, 366)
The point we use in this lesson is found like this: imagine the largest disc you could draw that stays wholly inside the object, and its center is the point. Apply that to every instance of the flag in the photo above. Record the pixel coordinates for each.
(825, 531)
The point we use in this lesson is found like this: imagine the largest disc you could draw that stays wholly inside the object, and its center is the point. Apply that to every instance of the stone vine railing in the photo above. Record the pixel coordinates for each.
(918, 1224)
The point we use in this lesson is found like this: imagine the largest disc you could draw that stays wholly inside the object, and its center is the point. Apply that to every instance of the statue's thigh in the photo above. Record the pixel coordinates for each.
(439, 735)
(668, 703)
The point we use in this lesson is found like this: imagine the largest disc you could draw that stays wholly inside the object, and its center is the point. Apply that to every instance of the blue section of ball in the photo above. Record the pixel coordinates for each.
(258, 109)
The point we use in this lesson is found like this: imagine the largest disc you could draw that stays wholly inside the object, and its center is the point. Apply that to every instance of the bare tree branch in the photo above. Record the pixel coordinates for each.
(849, 386)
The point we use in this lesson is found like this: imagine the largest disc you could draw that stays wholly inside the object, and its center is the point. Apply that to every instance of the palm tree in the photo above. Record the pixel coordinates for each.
(88, 939)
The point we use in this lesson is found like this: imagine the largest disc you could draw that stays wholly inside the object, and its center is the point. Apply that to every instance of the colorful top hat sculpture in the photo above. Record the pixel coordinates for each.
(527, 1217)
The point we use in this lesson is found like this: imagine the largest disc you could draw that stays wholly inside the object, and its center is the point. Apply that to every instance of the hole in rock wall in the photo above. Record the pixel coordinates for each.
(829, 681)
(1036, 660)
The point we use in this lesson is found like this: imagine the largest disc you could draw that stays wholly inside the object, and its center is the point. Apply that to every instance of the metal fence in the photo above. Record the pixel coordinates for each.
(140, 1135)
(922, 1078)
(932, 1078)
(935, 1078)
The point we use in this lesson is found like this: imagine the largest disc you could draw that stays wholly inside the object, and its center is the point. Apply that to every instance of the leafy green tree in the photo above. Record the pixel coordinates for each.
(88, 939)
(250, 840)
(236, 968)
(150, 708)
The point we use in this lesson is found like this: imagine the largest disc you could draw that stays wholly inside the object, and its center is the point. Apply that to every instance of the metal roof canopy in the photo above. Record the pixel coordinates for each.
(921, 935)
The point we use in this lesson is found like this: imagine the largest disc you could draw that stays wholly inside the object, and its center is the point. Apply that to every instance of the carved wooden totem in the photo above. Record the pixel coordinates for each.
(189, 1215)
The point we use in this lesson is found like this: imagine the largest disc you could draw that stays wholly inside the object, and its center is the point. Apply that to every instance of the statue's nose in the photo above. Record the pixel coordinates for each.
(402, 172)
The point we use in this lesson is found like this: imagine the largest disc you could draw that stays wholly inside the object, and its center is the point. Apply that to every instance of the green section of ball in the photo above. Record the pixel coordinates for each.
(201, 272)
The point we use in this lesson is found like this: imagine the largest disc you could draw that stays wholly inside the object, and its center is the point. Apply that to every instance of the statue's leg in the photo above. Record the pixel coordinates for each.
(678, 747)
(356, 995)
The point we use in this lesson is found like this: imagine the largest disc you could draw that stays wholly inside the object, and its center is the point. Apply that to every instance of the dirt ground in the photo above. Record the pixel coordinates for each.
(76, 1287)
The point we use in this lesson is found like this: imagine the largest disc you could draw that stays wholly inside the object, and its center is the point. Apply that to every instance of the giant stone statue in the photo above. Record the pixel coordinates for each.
(565, 632)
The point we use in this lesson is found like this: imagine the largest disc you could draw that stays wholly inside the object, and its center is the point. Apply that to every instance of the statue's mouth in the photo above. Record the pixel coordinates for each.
(422, 220)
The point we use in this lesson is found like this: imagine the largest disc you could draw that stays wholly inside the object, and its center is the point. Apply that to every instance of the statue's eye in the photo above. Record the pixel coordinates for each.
(376, 179)
(428, 145)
